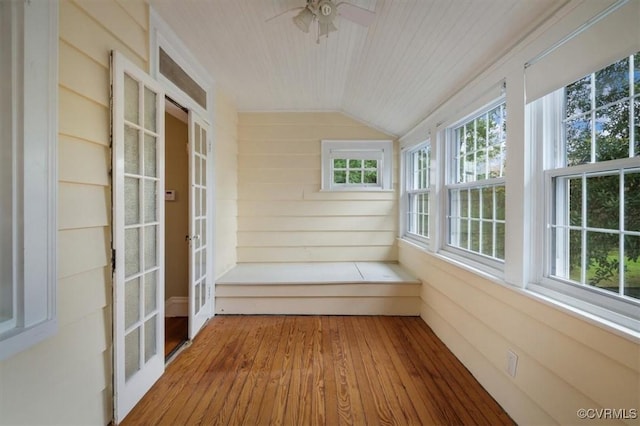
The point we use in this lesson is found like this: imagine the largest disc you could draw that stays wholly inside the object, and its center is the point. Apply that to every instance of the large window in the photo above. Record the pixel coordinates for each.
(476, 186)
(593, 187)
(417, 163)
(356, 165)
(28, 102)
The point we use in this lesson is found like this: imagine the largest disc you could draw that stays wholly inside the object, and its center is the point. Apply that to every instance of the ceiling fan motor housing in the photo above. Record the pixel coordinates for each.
(326, 11)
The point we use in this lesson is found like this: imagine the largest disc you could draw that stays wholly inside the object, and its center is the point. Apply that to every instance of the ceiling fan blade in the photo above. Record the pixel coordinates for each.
(356, 14)
(285, 12)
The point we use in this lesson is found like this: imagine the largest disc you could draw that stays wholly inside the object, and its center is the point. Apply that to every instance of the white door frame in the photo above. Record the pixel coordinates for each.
(162, 36)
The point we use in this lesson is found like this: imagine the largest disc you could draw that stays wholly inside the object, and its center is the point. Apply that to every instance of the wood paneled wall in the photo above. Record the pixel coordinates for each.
(226, 175)
(66, 379)
(282, 214)
(564, 362)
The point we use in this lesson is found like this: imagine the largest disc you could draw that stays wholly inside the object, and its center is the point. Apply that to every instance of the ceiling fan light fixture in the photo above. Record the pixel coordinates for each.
(304, 19)
(325, 29)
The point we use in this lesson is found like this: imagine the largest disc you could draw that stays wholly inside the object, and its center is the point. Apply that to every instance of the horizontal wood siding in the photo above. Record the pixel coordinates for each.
(67, 378)
(564, 362)
(226, 174)
(282, 214)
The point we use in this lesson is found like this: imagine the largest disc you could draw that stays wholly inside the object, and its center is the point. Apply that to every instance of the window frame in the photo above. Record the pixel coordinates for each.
(34, 119)
(547, 132)
(491, 265)
(380, 150)
(410, 191)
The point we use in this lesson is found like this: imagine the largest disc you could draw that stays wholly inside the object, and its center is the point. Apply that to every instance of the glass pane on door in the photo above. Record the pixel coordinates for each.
(141, 226)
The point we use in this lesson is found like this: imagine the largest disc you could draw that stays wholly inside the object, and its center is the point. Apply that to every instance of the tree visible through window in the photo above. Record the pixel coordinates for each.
(355, 171)
(476, 184)
(596, 225)
(417, 183)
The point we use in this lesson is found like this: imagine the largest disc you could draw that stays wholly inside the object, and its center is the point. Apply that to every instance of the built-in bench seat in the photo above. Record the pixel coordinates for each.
(322, 288)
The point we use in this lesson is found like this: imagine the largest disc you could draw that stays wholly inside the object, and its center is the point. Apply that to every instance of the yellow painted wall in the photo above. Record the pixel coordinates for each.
(67, 378)
(176, 212)
(567, 360)
(283, 216)
(564, 362)
(226, 181)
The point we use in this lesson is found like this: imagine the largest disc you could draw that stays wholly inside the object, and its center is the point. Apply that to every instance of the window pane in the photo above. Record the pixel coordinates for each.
(463, 234)
(355, 164)
(339, 163)
(131, 302)
(150, 195)
(487, 203)
(612, 83)
(632, 201)
(150, 252)
(612, 132)
(603, 202)
(464, 203)
(131, 201)
(370, 176)
(150, 158)
(578, 139)
(500, 240)
(131, 353)
(500, 206)
(487, 238)
(575, 255)
(475, 236)
(603, 261)
(355, 176)
(150, 338)
(150, 292)
(575, 201)
(481, 133)
(131, 251)
(131, 104)
(475, 203)
(578, 97)
(149, 109)
(632, 266)
(131, 151)
(340, 177)
(371, 164)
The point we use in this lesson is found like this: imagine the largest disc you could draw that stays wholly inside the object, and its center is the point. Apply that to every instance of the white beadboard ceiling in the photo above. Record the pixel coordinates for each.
(390, 75)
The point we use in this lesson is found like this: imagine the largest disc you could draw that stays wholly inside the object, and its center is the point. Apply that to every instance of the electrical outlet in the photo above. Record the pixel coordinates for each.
(512, 363)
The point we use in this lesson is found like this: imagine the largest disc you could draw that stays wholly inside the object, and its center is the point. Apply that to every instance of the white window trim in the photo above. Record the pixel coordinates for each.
(381, 150)
(545, 118)
(407, 179)
(34, 138)
(492, 266)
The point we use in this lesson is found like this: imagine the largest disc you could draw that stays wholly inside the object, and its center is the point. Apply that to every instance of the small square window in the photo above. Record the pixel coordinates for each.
(356, 165)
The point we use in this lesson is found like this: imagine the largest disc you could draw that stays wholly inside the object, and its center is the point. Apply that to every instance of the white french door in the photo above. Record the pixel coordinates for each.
(200, 300)
(138, 232)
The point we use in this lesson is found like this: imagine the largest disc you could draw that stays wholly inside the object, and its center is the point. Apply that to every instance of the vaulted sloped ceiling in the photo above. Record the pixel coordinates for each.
(389, 75)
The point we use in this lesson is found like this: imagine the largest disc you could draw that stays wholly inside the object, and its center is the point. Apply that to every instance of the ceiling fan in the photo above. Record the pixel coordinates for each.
(324, 12)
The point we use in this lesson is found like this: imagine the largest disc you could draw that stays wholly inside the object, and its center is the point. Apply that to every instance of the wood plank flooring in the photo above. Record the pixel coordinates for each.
(176, 331)
(317, 370)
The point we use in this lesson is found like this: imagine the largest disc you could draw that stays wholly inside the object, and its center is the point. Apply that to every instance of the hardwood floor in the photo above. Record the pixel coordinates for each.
(317, 370)
(176, 332)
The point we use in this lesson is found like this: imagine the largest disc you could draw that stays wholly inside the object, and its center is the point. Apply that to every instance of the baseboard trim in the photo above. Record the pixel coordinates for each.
(176, 307)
